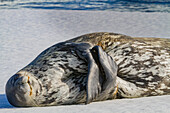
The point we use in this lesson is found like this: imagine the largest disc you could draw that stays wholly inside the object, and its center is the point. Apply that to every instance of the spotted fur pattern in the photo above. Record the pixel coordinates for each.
(144, 68)
(144, 63)
(62, 75)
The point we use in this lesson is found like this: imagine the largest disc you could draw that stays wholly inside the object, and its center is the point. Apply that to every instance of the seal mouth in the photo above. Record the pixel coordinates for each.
(20, 89)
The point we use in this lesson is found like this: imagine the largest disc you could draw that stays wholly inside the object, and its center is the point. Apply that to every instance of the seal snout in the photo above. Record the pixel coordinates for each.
(23, 83)
(20, 89)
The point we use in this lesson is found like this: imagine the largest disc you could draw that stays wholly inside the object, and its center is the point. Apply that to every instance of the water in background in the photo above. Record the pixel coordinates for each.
(114, 5)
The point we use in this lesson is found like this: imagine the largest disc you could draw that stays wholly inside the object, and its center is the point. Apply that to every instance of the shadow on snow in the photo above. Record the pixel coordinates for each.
(4, 102)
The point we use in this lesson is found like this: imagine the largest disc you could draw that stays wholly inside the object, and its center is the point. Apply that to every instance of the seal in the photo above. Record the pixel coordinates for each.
(93, 67)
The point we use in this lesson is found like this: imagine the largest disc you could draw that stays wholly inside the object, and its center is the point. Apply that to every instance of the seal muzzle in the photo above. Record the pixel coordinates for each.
(21, 89)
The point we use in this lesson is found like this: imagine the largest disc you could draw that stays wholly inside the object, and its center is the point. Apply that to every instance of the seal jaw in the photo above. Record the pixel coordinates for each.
(21, 89)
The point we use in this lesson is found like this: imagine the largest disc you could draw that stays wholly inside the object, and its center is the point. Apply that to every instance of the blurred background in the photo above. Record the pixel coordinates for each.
(114, 5)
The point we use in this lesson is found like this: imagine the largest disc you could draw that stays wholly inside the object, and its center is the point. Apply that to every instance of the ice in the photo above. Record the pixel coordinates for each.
(24, 33)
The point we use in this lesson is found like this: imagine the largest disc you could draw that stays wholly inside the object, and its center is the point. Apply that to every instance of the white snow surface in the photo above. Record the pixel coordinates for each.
(24, 33)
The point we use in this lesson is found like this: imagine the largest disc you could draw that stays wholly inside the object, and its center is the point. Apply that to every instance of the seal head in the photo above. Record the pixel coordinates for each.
(22, 88)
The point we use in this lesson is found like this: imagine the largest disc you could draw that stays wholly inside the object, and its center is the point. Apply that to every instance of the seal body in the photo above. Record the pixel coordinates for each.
(71, 73)
(143, 63)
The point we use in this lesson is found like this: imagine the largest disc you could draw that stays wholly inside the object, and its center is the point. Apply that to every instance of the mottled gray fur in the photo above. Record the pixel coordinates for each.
(59, 74)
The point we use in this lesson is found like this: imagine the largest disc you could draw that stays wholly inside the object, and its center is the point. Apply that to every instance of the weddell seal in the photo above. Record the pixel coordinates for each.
(93, 67)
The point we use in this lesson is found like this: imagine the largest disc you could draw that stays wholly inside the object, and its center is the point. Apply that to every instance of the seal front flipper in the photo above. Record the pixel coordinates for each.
(102, 71)
(93, 87)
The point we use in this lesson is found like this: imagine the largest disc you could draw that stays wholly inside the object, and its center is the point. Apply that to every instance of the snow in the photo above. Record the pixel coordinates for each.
(159, 104)
(24, 33)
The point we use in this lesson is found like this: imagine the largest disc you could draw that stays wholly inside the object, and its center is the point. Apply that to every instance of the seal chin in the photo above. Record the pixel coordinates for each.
(21, 89)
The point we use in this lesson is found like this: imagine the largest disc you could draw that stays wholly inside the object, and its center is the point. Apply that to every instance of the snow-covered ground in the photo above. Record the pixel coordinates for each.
(24, 33)
(159, 104)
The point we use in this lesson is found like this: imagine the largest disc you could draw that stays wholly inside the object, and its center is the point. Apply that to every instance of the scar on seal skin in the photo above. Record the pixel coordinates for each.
(93, 67)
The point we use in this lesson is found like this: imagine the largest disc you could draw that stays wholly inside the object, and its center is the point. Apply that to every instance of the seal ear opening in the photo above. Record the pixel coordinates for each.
(102, 71)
